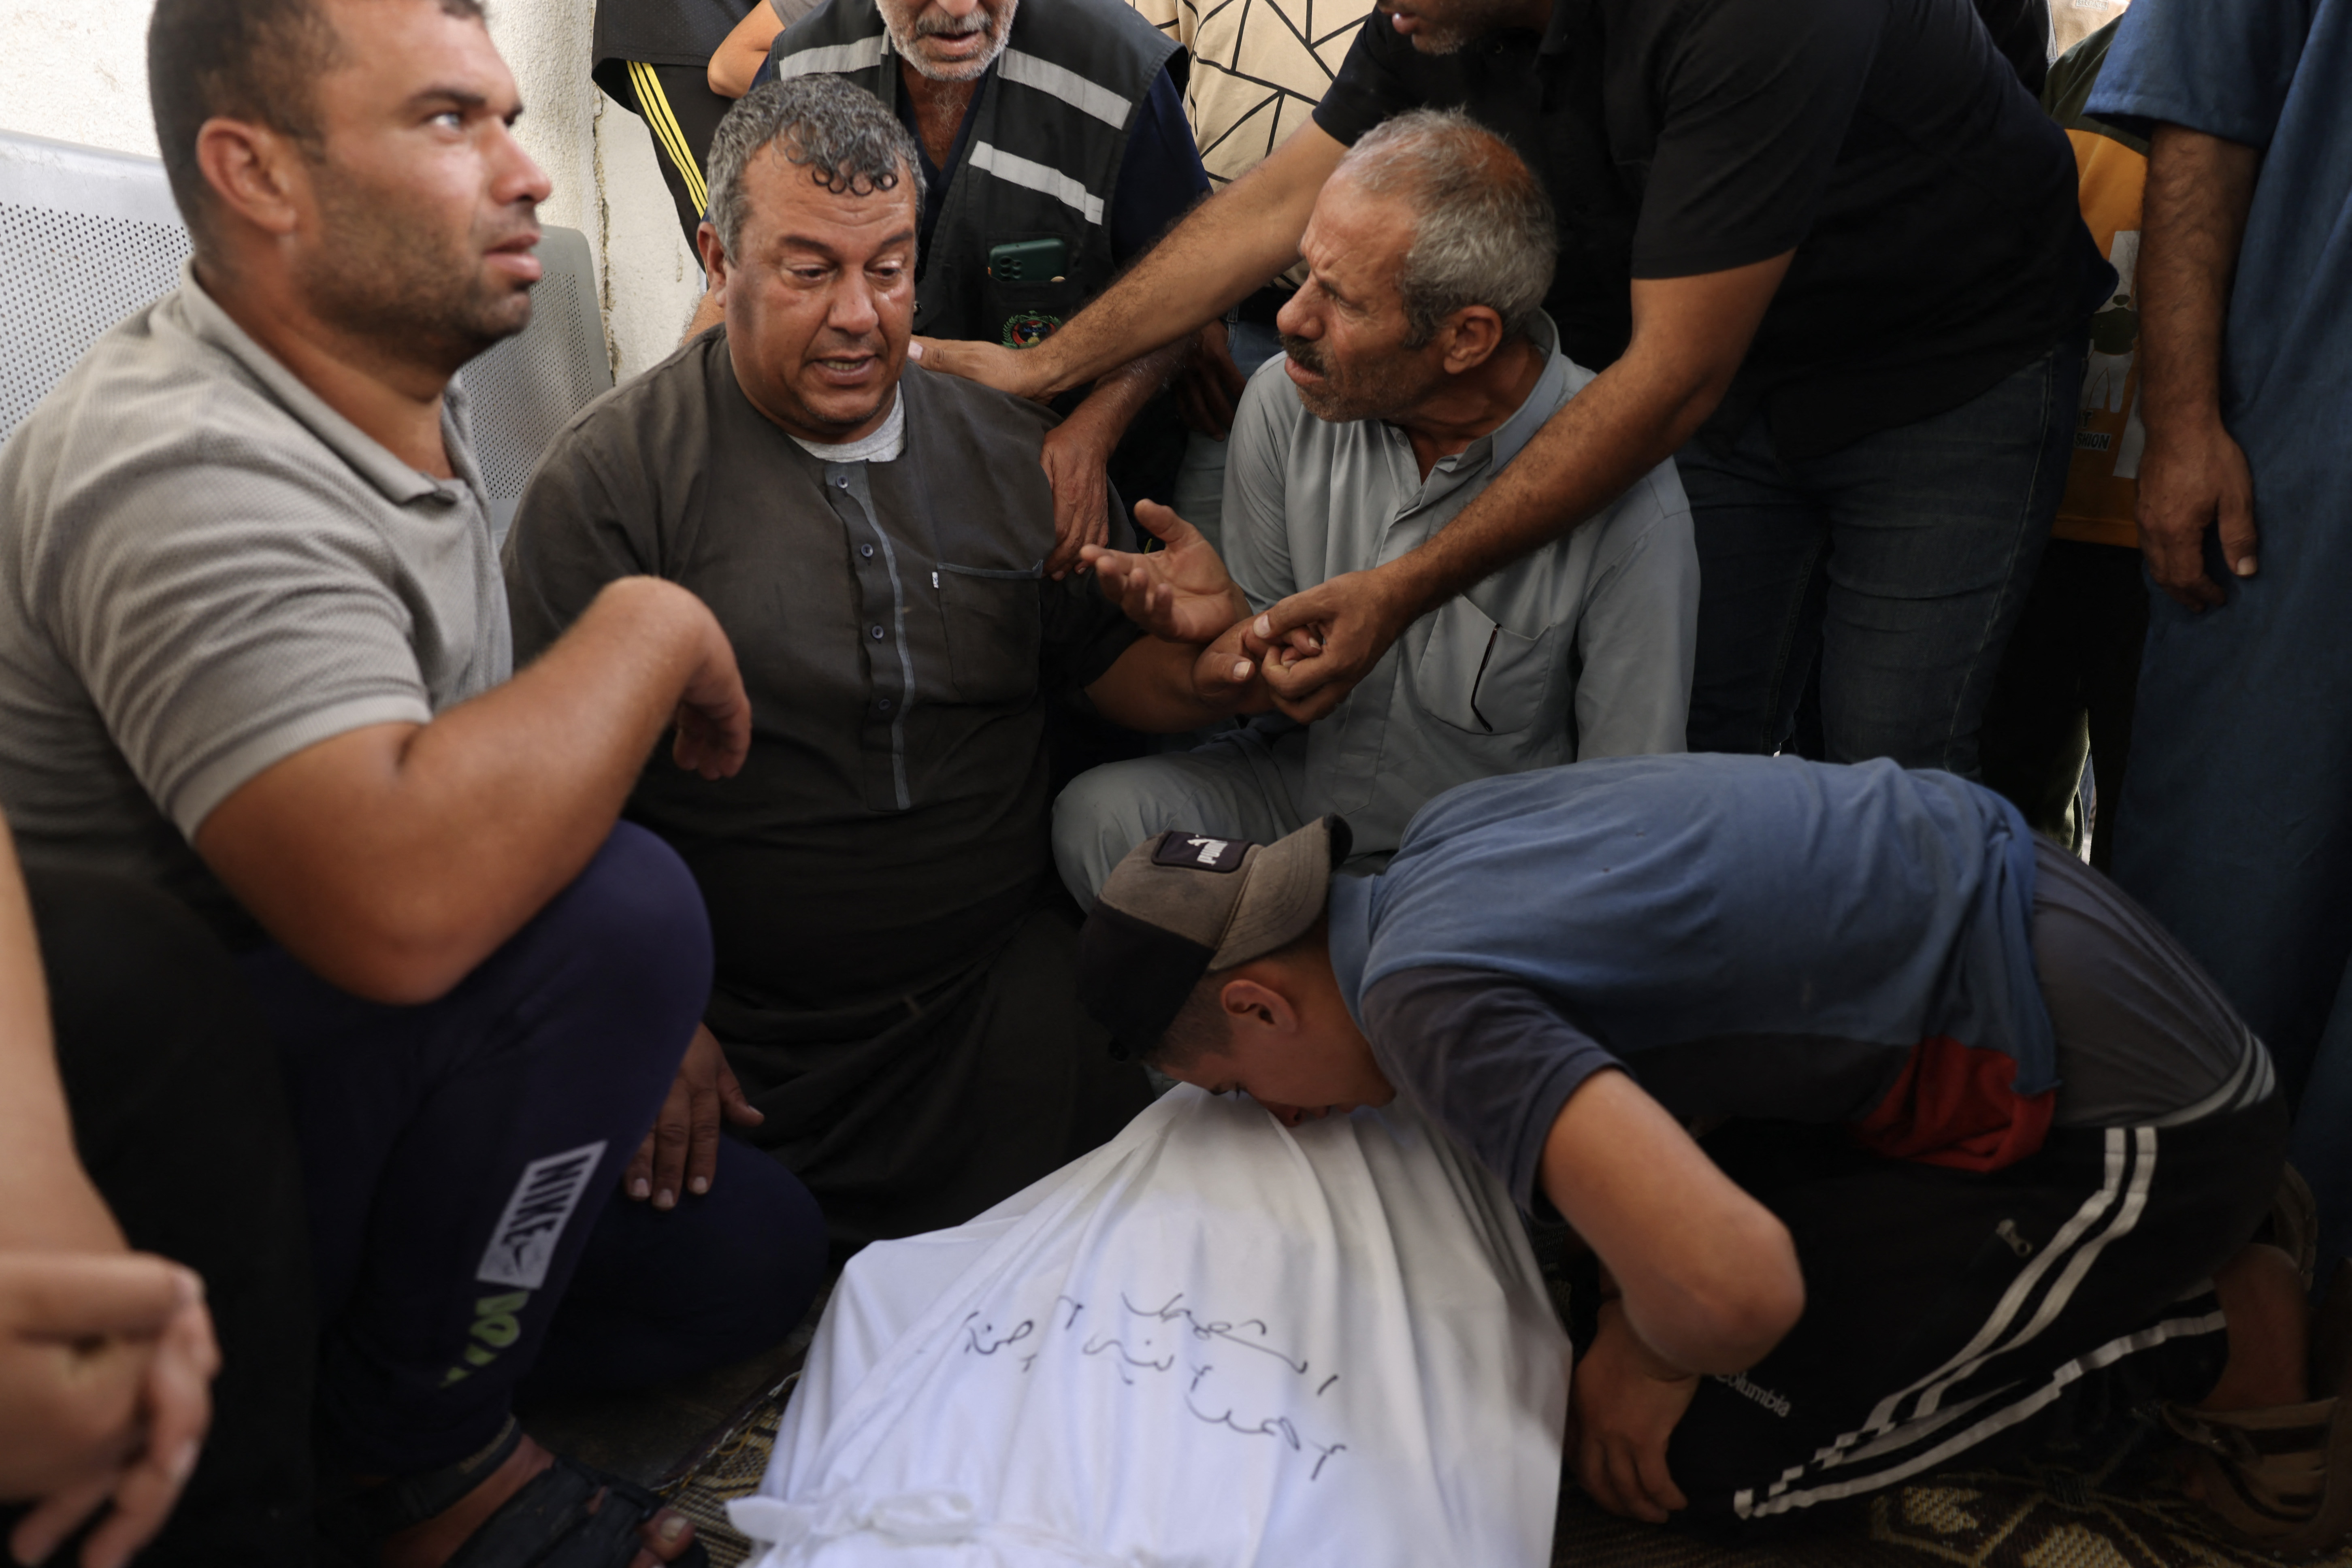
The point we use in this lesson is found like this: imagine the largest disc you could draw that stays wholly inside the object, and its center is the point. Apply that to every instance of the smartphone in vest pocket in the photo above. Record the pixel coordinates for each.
(1029, 260)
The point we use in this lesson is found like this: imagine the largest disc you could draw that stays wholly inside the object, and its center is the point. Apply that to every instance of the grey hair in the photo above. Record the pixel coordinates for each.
(844, 138)
(1483, 232)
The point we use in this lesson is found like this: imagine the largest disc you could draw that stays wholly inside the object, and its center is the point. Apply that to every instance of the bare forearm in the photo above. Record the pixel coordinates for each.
(739, 55)
(32, 1100)
(1710, 1280)
(2200, 189)
(1690, 337)
(1230, 245)
(1152, 688)
(51, 1202)
(1626, 422)
(1681, 1333)
(553, 754)
(1119, 397)
(733, 66)
(393, 860)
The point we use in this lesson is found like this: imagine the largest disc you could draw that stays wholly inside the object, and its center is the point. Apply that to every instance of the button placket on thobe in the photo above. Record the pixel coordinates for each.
(882, 628)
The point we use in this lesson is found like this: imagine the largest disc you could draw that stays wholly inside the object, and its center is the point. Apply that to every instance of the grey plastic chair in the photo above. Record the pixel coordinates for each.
(87, 236)
(522, 391)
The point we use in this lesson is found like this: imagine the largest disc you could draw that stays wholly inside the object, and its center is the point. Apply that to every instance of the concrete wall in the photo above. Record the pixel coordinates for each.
(76, 70)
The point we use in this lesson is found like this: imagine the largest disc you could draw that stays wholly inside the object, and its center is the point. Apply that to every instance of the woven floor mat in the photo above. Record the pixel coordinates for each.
(728, 1469)
(2117, 1515)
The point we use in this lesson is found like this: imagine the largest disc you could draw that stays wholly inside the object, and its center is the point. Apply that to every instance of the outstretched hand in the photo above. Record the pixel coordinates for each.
(1181, 594)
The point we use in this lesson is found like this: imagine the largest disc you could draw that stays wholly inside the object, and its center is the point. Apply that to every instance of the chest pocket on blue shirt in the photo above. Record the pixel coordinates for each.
(1482, 676)
(993, 631)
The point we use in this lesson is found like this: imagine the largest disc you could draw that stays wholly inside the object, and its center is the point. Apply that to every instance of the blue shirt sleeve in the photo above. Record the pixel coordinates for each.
(1159, 178)
(2223, 69)
(1490, 1060)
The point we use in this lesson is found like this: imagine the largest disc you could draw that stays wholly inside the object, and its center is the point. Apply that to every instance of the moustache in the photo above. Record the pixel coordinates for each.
(830, 344)
(521, 236)
(933, 25)
(1307, 354)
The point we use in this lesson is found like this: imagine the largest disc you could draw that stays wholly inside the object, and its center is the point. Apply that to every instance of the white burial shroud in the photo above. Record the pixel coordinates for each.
(1214, 1341)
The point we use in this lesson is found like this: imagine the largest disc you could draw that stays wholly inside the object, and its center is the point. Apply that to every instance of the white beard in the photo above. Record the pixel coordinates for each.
(905, 41)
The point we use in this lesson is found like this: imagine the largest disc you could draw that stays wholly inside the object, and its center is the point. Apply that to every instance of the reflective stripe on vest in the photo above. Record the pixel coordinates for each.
(835, 60)
(1030, 175)
(1100, 102)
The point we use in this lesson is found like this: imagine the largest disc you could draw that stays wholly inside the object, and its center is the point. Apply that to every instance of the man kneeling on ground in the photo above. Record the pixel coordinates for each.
(1997, 1149)
(892, 988)
(254, 651)
(1417, 365)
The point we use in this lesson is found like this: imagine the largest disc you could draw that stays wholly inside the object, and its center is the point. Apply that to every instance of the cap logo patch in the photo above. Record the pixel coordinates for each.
(1199, 852)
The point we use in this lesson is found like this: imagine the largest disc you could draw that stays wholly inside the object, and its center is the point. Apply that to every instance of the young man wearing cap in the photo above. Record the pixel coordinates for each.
(1989, 1149)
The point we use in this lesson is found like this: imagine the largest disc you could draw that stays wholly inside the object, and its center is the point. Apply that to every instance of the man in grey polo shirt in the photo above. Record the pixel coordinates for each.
(1417, 365)
(254, 651)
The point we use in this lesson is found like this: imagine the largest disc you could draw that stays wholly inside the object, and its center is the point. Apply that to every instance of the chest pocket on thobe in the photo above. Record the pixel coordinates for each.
(1481, 676)
(993, 631)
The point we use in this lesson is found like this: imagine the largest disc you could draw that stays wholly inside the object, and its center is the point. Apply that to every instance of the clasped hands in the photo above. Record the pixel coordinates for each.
(105, 1364)
(1308, 650)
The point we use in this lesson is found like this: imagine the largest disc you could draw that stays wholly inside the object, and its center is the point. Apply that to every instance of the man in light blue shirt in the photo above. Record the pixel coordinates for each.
(1418, 365)
(2236, 827)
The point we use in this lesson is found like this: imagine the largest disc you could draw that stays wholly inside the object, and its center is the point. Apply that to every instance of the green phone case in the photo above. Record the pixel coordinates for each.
(1029, 261)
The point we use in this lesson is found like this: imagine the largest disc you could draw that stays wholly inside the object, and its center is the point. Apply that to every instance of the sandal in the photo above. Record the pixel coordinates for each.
(2280, 1480)
(546, 1524)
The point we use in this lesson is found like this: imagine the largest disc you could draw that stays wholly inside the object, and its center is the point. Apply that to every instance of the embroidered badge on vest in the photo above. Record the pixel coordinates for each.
(1029, 329)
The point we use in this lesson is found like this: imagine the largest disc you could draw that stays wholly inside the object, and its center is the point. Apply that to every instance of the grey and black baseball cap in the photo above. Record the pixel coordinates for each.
(1184, 903)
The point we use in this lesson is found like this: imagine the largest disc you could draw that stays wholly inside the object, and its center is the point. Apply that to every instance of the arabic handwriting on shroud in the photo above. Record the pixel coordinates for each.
(983, 1337)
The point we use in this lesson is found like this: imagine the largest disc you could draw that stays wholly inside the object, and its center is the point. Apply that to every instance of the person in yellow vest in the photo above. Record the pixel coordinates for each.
(2066, 685)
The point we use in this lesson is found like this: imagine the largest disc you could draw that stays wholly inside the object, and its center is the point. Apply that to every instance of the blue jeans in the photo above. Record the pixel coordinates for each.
(1901, 561)
(459, 1158)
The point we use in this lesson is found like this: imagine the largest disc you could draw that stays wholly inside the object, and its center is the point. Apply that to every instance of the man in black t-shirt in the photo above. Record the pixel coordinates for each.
(1831, 255)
